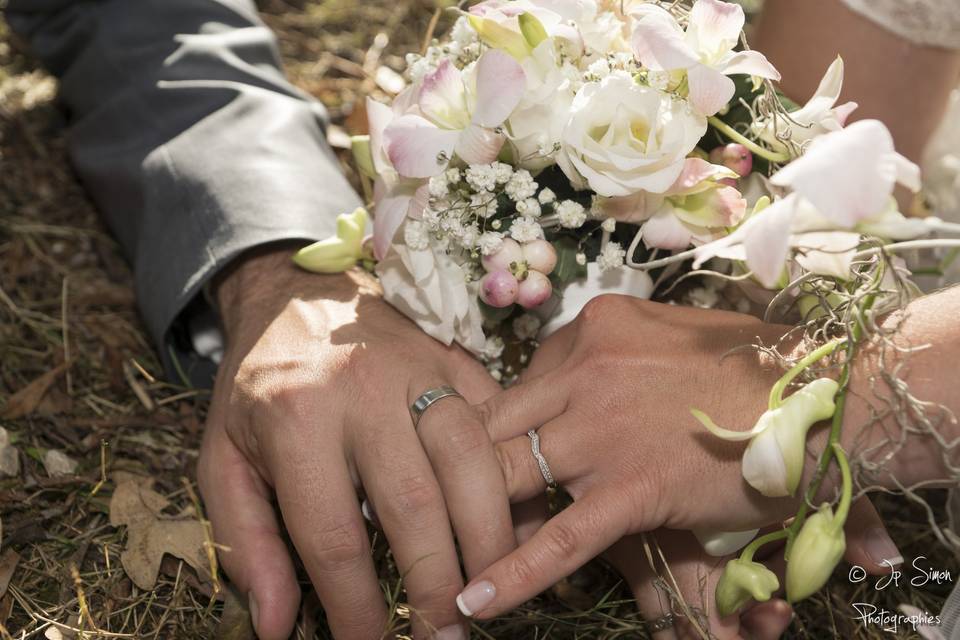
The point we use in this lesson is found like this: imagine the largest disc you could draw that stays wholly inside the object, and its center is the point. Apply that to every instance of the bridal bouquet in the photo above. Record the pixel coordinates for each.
(549, 151)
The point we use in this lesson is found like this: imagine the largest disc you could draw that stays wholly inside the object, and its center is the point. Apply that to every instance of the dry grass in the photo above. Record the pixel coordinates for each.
(65, 296)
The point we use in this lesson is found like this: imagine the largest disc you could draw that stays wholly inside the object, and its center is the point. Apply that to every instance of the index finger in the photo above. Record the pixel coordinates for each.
(564, 544)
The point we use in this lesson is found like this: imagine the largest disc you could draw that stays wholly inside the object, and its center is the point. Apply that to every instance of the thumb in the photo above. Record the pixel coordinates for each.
(254, 556)
(868, 543)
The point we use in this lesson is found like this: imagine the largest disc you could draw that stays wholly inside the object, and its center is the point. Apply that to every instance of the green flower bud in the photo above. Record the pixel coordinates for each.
(337, 253)
(741, 581)
(532, 29)
(360, 146)
(497, 36)
(815, 553)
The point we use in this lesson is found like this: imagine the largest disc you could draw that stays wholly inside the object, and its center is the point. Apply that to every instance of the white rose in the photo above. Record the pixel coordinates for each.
(623, 138)
(430, 288)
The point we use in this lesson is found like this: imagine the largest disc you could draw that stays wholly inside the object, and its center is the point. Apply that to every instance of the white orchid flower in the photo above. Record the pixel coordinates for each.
(705, 50)
(842, 185)
(817, 117)
(459, 113)
(773, 461)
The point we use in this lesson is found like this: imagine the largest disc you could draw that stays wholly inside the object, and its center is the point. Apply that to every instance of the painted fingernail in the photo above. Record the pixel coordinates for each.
(475, 597)
(881, 549)
(453, 632)
(254, 609)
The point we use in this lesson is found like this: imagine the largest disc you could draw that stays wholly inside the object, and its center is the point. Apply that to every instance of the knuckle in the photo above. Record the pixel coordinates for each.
(414, 494)
(435, 595)
(521, 570)
(561, 540)
(341, 546)
(602, 308)
(463, 442)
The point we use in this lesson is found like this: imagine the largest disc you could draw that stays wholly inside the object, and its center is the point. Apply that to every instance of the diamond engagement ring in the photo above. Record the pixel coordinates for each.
(427, 398)
(541, 461)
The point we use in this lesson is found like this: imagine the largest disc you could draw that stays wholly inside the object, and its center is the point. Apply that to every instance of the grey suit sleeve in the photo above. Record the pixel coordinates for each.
(187, 135)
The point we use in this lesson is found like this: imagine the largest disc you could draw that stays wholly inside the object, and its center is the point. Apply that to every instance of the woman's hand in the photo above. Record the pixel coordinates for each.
(615, 425)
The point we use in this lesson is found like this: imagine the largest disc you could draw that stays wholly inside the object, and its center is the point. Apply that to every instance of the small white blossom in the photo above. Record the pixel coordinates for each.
(470, 236)
(438, 186)
(703, 297)
(521, 186)
(598, 69)
(490, 242)
(431, 218)
(453, 175)
(658, 79)
(502, 172)
(484, 203)
(482, 177)
(492, 348)
(581, 258)
(526, 326)
(611, 257)
(496, 224)
(546, 196)
(529, 207)
(525, 230)
(462, 33)
(609, 225)
(571, 214)
(416, 236)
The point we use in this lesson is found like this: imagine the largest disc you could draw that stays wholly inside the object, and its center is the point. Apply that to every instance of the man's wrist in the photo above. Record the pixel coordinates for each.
(267, 274)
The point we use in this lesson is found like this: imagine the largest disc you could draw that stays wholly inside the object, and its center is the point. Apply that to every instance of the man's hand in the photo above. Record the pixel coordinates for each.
(312, 403)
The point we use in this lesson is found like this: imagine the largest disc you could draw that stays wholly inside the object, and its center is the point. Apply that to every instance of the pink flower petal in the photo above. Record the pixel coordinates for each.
(695, 171)
(417, 148)
(766, 238)
(389, 214)
(843, 112)
(658, 42)
(908, 173)
(442, 96)
(500, 85)
(751, 63)
(715, 25)
(710, 90)
(665, 231)
(479, 145)
(379, 116)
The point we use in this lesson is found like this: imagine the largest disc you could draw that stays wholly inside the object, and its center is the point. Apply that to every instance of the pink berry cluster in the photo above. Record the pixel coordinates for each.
(518, 274)
(735, 157)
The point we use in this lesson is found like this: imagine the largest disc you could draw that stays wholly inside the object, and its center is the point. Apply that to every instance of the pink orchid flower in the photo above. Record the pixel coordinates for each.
(705, 51)
(459, 113)
(691, 211)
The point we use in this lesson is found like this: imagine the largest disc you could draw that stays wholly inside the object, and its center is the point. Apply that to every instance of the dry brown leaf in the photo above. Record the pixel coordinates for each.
(58, 464)
(150, 534)
(8, 564)
(24, 402)
(235, 623)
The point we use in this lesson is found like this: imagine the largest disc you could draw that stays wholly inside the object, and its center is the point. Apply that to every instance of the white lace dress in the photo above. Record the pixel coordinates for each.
(932, 23)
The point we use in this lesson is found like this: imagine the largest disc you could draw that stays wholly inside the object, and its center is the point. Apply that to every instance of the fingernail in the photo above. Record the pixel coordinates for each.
(453, 632)
(254, 610)
(881, 549)
(475, 597)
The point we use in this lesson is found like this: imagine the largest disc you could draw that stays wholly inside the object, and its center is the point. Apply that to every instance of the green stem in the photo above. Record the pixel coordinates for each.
(776, 393)
(846, 495)
(736, 136)
(747, 554)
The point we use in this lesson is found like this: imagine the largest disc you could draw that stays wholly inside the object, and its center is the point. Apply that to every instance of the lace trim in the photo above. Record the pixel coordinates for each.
(924, 22)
